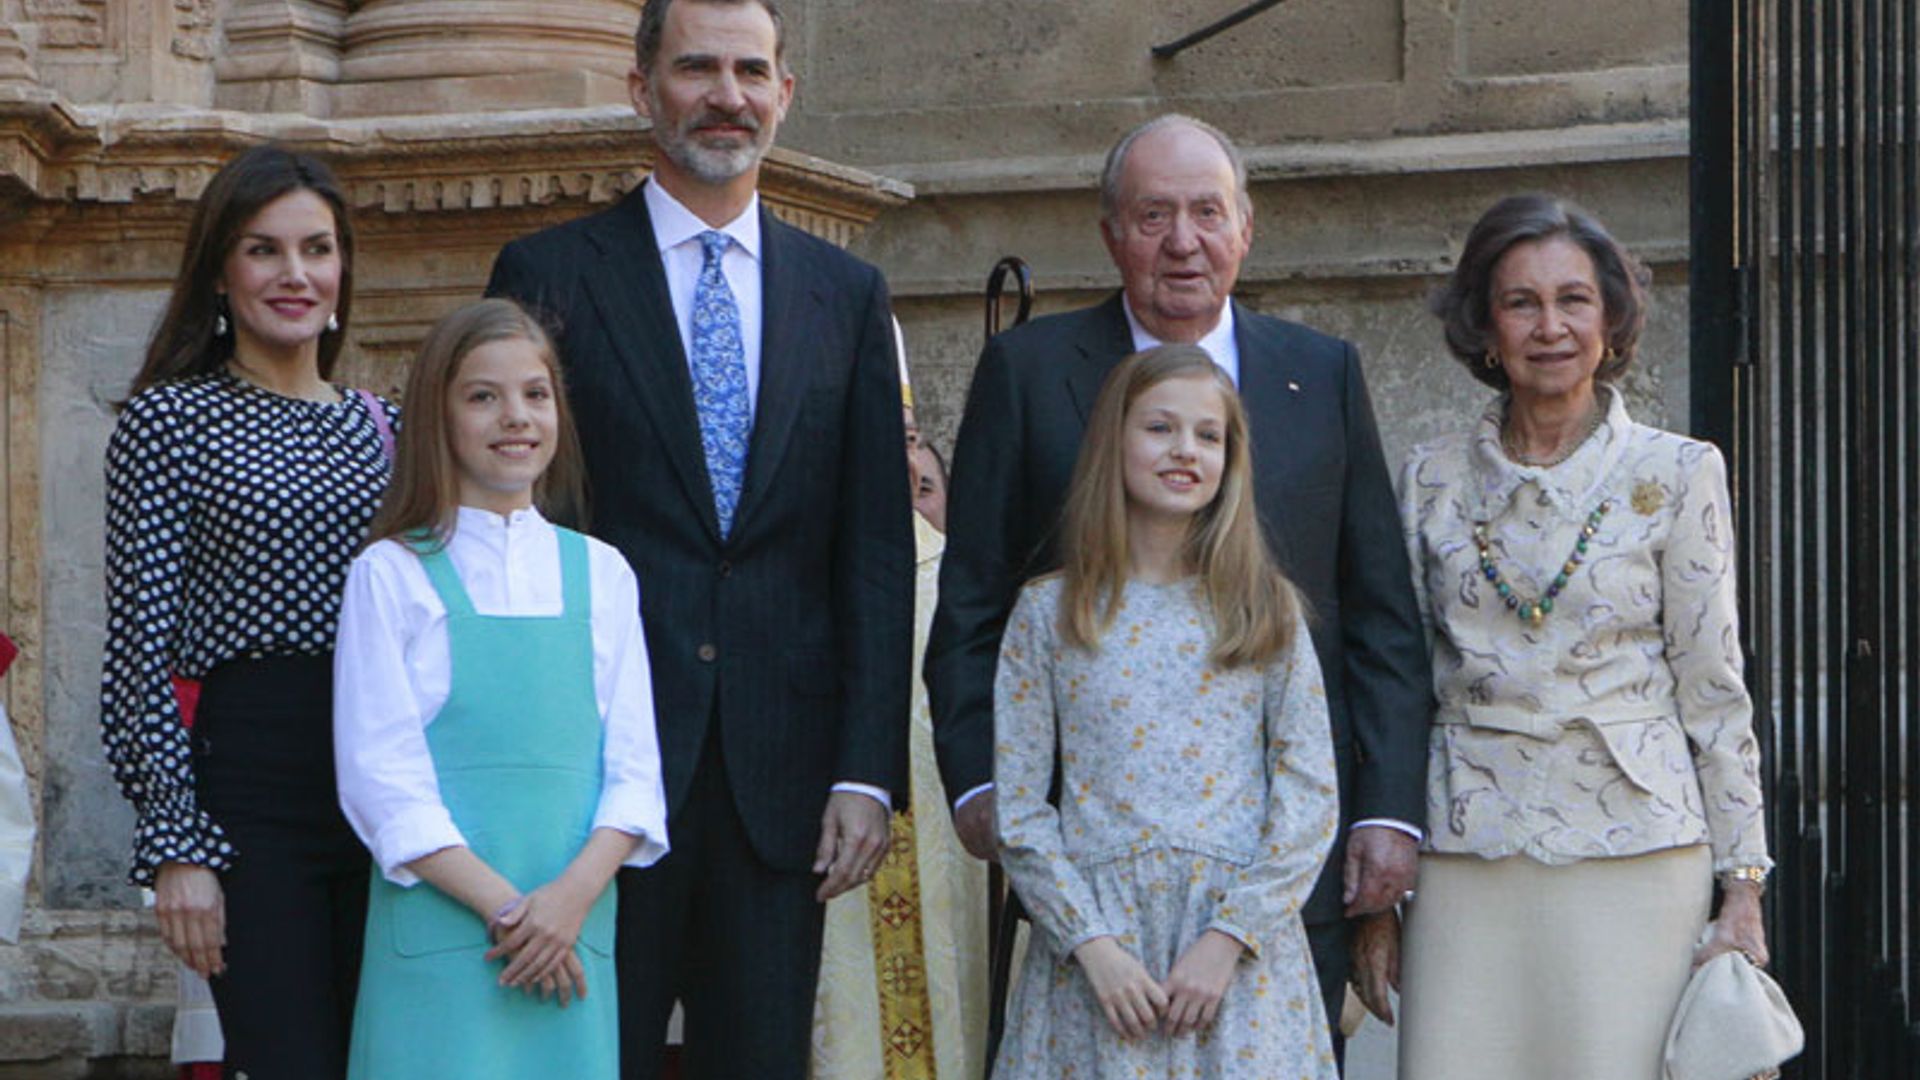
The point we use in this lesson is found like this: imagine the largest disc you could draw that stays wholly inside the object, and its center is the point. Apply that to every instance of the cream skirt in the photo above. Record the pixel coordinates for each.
(1514, 970)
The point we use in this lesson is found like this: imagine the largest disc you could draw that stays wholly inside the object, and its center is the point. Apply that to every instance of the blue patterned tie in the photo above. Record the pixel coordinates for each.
(720, 380)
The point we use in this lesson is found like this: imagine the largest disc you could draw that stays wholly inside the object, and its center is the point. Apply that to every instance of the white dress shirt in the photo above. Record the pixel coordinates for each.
(1218, 342)
(393, 672)
(677, 230)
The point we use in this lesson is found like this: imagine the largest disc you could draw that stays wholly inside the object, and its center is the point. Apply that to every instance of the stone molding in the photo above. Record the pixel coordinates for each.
(54, 152)
(1583, 145)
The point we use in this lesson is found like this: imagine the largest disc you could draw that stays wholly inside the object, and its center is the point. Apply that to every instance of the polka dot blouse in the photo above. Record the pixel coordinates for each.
(232, 514)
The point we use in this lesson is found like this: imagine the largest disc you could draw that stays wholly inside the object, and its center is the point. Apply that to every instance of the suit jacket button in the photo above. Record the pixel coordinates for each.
(706, 653)
(726, 568)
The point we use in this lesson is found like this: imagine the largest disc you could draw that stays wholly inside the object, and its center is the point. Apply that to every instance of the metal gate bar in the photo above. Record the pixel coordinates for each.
(1805, 288)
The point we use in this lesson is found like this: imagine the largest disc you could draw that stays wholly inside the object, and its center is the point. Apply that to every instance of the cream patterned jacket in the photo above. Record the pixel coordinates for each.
(1619, 724)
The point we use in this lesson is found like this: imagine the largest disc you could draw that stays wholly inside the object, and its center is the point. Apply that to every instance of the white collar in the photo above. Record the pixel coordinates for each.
(674, 224)
(474, 519)
(1573, 485)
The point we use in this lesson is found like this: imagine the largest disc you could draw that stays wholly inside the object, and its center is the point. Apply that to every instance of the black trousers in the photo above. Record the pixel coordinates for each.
(736, 942)
(296, 898)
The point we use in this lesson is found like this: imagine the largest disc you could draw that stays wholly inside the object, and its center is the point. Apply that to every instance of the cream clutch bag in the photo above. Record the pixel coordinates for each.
(1733, 1023)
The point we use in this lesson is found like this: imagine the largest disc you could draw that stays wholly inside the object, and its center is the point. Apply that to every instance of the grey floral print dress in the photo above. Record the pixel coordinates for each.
(1193, 799)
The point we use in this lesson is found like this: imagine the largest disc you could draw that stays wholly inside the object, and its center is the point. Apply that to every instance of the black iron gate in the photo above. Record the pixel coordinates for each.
(1806, 369)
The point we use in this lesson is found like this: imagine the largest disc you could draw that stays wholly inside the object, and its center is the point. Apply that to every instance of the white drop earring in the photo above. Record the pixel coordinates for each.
(333, 321)
(220, 319)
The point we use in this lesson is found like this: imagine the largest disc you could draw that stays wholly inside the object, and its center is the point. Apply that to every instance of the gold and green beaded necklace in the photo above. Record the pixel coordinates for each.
(1534, 611)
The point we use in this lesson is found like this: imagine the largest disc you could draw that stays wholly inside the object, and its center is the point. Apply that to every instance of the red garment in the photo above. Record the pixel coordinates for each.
(186, 694)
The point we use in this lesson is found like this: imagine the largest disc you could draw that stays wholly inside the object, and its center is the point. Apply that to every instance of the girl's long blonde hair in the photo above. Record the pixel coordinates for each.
(1253, 605)
(424, 494)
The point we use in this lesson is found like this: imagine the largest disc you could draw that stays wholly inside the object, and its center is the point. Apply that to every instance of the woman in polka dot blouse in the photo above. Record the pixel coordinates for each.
(240, 482)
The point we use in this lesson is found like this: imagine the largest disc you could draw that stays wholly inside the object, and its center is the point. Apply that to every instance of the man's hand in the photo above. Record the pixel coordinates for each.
(1382, 863)
(853, 839)
(1376, 962)
(974, 822)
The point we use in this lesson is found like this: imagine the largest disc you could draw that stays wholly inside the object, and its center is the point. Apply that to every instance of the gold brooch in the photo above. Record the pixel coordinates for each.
(1648, 495)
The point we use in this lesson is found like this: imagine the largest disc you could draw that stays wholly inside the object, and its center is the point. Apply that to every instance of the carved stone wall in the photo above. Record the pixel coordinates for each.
(1375, 130)
(98, 174)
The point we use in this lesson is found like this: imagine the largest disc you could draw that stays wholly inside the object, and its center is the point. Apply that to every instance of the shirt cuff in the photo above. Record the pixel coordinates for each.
(971, 792)
(413, 834)
(870, 791)
(1419, 836)
(638, 814)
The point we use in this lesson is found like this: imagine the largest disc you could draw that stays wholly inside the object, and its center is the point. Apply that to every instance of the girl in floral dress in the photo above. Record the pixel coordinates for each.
(1165, 677)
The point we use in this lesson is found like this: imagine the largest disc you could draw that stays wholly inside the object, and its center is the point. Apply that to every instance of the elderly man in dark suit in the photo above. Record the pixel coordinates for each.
(739, 409)
(1177, 222)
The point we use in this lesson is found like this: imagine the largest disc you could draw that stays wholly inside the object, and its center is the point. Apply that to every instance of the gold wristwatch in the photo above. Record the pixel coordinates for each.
(1752, 875)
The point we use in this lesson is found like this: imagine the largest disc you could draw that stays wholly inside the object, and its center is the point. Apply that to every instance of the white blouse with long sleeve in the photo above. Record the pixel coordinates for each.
(1619, 724)
(392, 674)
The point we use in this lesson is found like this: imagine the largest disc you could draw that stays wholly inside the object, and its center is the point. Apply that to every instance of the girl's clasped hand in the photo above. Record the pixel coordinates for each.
(535, 935)
(1138, 1006)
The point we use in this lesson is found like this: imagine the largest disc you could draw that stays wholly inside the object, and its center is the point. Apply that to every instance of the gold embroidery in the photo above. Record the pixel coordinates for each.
(1648, 495)
(900, 963)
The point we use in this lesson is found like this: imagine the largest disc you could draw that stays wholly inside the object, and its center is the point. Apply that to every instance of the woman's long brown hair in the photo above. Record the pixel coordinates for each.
(424, 495)
(185, 344)
(1253, 605)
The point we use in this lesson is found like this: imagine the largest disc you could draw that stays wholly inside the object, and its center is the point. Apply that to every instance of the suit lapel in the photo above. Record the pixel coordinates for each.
(630, 292)
(1273, 401)
(1106, 342)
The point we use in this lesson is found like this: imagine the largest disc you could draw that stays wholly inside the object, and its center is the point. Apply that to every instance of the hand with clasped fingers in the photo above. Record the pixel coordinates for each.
(1133, 1002)
(536, 936)
(1199, 980)
(534, 933)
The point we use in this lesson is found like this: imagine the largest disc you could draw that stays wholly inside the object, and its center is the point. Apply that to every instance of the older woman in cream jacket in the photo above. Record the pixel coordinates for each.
(1594, 764)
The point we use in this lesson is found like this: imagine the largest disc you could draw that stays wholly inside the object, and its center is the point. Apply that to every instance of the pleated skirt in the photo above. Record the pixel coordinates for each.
(1514, 970)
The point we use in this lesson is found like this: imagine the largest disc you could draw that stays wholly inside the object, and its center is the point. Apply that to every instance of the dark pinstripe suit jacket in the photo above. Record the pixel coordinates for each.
(795, 633)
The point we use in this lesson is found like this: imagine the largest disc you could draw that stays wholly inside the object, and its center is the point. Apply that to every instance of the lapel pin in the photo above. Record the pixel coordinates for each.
(1293, 386)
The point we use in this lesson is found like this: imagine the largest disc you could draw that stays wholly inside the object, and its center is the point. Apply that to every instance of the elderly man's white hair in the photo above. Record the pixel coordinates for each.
(1117, 162)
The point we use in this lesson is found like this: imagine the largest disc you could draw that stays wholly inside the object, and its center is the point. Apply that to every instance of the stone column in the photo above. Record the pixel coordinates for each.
(441, 56)
(16, 59)
(281, 56)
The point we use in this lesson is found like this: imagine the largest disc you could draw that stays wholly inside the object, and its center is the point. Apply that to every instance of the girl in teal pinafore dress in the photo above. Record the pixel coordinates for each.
(494, 729)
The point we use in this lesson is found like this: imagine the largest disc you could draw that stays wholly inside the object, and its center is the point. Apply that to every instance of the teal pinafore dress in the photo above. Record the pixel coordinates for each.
(517, 749)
